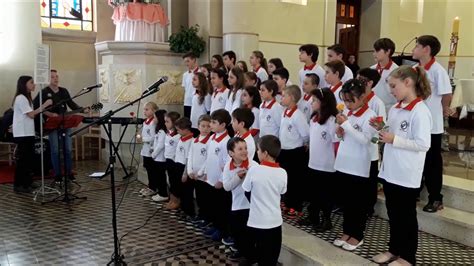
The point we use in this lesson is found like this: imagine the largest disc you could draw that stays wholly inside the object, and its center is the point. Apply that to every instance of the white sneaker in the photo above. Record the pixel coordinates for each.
(350, 247)
(338, 242)
(148, 192)
(158, 198)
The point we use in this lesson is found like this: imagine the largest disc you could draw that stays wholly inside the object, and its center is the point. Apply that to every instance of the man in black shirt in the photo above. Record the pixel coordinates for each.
(58, 94)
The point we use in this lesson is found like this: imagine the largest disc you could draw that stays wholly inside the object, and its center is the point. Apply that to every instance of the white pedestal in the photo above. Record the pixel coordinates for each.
(126, 69)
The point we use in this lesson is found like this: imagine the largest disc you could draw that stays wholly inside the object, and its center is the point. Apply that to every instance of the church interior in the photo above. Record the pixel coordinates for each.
(136, 53)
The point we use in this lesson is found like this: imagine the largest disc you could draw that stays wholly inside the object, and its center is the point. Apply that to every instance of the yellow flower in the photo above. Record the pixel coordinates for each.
(340, 107)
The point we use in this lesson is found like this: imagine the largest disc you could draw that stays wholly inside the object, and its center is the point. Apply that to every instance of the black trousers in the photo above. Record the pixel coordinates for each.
(356, 196)
(25, 152)
(222, 204)
(374, 181)
(433, 169)
(156, 176)
(322, 197)
(295, 162)
(187, 197)
(240, 232)
(265, 245)
(174, 177)
(203, 199)
(187, 111)
(401, 209)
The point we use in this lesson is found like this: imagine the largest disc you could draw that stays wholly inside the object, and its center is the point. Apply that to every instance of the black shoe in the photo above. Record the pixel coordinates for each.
(58, 179)
(433, 206)
(72, 177)
(22, 190)
(34, 186)
(235, 256)
(324, 226)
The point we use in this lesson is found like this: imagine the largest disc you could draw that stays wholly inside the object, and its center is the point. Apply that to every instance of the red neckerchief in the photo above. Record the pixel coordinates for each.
(334, 89)
(148, 121)
(257, 69)
(187, 137)
(410, 106)
(369, 97)
(220, 138)
(310, 67)
(254, 131)
(316, 118)
(290, 112)
(172, 133)
(429, 64)
(204, 140)
(194, 71)
(380, 69)
(269, 106)
(245, 135)
(360, 112)
(216, 91)
(244, 165)
(306, 97)
(270, 164)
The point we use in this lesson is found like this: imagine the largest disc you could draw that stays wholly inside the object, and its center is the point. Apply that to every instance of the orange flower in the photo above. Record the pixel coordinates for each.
(340, 107)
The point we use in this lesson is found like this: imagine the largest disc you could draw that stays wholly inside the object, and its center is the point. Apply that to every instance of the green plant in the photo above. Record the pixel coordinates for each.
(187, 40)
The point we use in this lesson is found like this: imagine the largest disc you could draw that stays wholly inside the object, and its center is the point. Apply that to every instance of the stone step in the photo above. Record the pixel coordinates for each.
(449, 223)
(458, 193)
(301, 248)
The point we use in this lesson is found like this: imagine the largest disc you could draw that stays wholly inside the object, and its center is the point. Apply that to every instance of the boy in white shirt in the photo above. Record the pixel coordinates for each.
(264, 184)
(311, 83)
(281, 76)
(184, 188)
(337, 52)
(192, 65)
(427, 47)
(242, 119)
(309, 54)
(294, 135)
(334, 73)
(217, 157)
(383, 51)
(230, 60)
(196, 160)
(234, 174)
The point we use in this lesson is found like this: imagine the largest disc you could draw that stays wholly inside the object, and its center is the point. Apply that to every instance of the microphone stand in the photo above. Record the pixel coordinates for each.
(117, 258)
(66, 197)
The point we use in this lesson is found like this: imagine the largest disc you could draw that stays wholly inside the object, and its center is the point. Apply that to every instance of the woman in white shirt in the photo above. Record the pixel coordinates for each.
(24, 132)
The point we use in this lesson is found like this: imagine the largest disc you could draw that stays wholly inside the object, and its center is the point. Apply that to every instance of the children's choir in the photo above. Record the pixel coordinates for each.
(262, 147)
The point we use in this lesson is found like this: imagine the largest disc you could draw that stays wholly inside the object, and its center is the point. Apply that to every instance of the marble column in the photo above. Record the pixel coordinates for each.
(239, 33)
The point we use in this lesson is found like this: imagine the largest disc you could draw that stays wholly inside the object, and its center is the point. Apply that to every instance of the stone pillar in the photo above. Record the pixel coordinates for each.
(239, 33)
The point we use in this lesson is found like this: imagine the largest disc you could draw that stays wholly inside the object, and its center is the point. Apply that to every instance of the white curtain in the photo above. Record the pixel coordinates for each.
(138, 31)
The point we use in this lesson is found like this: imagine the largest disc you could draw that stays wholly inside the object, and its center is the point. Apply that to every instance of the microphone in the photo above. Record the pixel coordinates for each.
(156, 84)
(92, 87)
(403, 50)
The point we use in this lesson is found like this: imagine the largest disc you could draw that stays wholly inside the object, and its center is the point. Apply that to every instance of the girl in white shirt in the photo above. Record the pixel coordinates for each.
(251, 99)
(236, 83)
(24, 132)
(251, 79)
(201, 103)
(353, 162)
(259, 65)
(171, 143)
(147, 137)
(220, 92)
(322, 140)
(158, 182)
(406, 143)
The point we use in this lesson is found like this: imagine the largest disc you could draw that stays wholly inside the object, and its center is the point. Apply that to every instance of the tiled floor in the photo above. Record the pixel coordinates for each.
(81, 233)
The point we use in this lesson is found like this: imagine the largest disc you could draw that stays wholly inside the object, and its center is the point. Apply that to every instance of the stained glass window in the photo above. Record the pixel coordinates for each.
(67, 14)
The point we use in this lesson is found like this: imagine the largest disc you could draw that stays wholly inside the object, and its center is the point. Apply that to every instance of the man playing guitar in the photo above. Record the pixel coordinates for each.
(58, 94)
